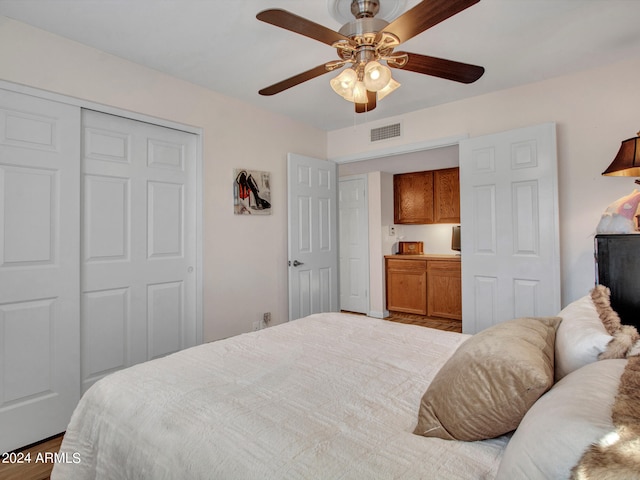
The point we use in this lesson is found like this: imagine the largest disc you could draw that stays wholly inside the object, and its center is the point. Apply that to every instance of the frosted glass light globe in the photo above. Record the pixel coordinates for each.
(376, 76)
(344, 83)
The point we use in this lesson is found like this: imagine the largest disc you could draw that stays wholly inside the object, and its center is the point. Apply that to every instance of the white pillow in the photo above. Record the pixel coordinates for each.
(563, 423)
(580, 338)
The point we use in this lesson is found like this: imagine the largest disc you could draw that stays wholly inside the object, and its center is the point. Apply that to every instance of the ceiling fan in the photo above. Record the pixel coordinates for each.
(366, 41)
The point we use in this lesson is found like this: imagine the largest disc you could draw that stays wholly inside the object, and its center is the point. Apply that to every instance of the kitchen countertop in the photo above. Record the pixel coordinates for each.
(427, 256)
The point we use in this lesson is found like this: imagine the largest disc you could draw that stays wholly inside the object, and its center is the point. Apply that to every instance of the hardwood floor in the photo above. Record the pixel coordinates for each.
(431, 322)
(437, 323)
(39, 465)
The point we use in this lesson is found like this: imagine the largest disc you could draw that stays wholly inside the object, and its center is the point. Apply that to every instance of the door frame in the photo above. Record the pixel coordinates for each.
(86, 104)
(376, 268)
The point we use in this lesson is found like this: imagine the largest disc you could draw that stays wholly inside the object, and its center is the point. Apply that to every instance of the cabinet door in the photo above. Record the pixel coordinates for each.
(413, 198)
(444, 289)
(446, 186)
(407, 286)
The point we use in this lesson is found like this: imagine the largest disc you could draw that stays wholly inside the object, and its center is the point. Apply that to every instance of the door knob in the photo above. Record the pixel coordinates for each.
(296, 263)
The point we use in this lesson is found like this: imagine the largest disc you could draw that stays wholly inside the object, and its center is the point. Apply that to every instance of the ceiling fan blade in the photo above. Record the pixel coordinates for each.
(440, 67)
(295, 80)
(370, 105)
(294, 23)
(425, 15)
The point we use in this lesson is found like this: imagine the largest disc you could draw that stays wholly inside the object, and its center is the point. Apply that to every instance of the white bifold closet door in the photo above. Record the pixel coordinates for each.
(97, 255)
(139, 245)
(39, 267)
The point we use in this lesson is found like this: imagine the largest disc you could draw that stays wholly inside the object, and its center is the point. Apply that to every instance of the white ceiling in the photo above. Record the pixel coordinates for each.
(220, 45)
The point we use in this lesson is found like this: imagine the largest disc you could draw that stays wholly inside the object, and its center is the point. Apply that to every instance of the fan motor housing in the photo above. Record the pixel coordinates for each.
(363, 26)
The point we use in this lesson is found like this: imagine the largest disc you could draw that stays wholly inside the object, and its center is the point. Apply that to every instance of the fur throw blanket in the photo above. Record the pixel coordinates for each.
(617, 455)
(626, 340)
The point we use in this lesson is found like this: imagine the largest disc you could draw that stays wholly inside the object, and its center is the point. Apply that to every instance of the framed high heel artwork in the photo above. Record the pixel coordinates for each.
(251, 192)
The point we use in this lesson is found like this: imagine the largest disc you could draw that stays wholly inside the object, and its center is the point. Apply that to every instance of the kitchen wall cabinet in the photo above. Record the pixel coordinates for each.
(429, 285)
(413, 198)
(427, 197)
(446, 195)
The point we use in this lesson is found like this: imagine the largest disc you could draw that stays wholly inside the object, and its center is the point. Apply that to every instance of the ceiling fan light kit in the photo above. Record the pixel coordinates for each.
(367, 43)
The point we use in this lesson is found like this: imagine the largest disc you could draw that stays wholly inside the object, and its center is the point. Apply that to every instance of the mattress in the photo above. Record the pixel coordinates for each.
(331, 396)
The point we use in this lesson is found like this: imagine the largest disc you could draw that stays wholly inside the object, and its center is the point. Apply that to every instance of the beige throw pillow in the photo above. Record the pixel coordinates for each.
(490, 382)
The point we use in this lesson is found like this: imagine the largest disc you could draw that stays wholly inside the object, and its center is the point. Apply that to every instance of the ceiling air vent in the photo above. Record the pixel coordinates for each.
(383, 133)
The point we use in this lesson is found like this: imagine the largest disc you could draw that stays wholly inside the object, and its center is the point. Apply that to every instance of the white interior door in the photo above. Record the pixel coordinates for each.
(354, 244)
(139, 243)
(313, 236)
(509, 234)
(39, 267)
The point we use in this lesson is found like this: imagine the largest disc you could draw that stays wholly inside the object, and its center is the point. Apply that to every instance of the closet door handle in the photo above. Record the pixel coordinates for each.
(296, 263)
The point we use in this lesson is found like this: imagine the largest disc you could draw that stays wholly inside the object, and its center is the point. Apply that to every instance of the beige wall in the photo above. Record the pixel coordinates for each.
(594, 112)
(245, 258)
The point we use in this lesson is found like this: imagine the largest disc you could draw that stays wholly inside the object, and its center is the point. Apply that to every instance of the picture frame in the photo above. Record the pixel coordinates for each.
(251, 192)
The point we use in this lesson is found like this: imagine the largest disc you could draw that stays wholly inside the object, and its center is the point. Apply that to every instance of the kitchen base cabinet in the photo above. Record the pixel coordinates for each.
(427, 285)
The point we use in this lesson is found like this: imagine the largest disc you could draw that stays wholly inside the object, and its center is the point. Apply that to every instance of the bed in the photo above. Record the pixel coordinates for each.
(331, 393)
(331, 396)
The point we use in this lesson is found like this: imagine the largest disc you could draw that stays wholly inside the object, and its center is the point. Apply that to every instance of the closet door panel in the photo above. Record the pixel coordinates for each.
(39, 267)
(139, 238)
(106, 227)
(105, 335)
(28, 215)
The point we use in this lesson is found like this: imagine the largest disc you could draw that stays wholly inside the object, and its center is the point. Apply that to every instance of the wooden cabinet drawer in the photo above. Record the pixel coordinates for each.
(405, 264)
(444, 266)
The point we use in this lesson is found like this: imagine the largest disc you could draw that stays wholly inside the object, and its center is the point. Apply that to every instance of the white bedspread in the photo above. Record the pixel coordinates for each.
(330, 396)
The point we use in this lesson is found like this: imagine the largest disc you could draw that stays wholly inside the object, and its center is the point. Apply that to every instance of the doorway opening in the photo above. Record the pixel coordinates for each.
(383, 234)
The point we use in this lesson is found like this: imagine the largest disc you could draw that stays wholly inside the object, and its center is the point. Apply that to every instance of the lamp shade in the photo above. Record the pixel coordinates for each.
(627, 161)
